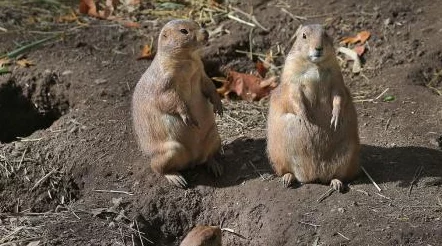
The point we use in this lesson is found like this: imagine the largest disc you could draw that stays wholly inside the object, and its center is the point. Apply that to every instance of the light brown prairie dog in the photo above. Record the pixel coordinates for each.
(203, 236)
(173, 105)
(312, 123)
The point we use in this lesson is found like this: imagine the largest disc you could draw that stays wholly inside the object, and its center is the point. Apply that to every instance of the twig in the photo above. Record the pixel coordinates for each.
(247, 52)
(256, 170)
(237, 121)
(251, 44)
(340, 234)
(3, 29)
(43, 179)
(325, 195)
(386, 197)
(16, 230)
(29, 139)
(371, 179)
(358, 190)
(310, 224)
(233, 232)
(240, 21)
(22, 158)
(388, 124)
(417, 174)
(139, 234)
(381, 94)
(17, 242)
(251, 17)
(373, 99)
(295, 17)
(115, 191)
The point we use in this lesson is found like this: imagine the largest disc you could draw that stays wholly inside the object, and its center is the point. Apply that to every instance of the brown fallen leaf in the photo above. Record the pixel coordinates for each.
(360, 37)
(261, 68)
(88, 7)
(25, 63)
(146, 52)
(359, 49)
(247, 86)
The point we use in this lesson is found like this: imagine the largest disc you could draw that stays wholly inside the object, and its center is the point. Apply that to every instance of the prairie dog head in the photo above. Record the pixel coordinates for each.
(182, 36)
(203, 236)
(312, 43)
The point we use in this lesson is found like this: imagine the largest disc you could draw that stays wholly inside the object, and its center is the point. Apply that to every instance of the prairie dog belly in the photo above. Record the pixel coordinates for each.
(306, 148)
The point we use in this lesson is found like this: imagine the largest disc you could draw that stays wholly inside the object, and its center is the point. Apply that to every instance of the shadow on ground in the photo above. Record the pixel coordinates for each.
(401, 163)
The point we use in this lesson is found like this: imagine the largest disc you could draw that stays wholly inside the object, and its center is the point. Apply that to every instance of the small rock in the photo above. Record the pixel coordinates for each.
(341, 210)
(387, 21)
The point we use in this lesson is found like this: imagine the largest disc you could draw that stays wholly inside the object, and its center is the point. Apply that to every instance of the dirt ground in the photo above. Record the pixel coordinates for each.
(65, 132)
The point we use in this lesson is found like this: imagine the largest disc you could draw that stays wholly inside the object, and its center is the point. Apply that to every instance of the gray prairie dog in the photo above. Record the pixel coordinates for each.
(173, 105)
(312, 123)
(203, 236)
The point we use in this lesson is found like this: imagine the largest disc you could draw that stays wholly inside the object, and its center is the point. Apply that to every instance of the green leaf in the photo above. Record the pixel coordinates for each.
(389, 98)
(27, 47)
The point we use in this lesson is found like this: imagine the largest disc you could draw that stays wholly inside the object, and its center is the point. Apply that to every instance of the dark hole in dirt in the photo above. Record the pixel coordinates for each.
(24, 111)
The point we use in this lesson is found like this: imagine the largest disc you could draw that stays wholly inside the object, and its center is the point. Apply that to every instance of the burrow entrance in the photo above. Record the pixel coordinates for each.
(29, 104)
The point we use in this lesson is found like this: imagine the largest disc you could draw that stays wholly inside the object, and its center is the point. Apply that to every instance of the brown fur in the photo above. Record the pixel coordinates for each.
(203, 236)
(173, 104)
(305, 108)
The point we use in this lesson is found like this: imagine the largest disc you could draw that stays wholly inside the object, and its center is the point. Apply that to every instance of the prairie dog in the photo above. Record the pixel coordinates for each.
(203, 236)
(312, 128)
(173, 105)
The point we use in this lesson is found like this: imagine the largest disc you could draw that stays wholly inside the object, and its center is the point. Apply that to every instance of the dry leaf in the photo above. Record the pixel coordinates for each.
(25, 63)
(360, 37)
(247, 86)
(261, 68)
(88, 7)
(359, 49)
(146, 52)
(353, 56)
(4, 61)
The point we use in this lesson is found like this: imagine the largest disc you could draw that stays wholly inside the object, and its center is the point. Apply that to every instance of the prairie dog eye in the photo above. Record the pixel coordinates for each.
(304, 36)
(184, 31)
